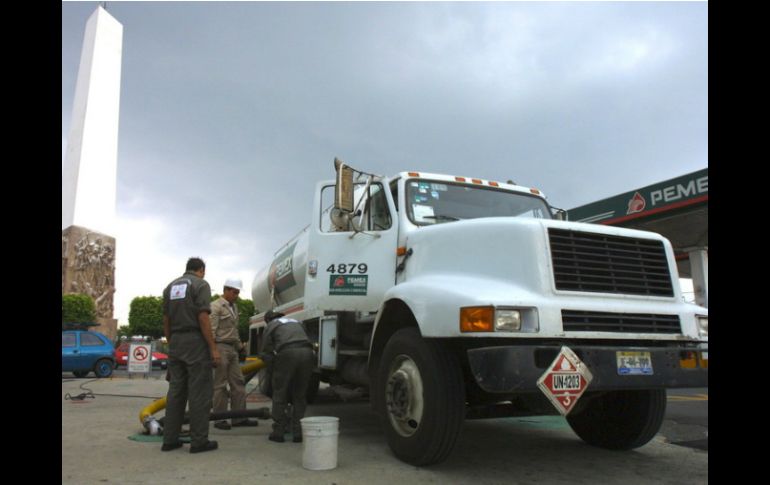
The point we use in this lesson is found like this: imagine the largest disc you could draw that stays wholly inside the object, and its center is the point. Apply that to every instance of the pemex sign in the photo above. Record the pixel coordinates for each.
(672, 194)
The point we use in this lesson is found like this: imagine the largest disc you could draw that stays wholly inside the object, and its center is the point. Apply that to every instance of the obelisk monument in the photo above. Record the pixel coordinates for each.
(89, 170)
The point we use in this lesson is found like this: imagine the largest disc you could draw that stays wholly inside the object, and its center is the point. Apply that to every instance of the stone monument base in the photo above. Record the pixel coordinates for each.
(108, 327)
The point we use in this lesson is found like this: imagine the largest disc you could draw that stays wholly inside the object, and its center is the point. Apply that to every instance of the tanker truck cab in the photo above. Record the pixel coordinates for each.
(351, 252)
(446, 298)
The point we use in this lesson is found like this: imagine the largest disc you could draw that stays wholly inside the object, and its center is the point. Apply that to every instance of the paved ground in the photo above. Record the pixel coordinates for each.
(96, 448)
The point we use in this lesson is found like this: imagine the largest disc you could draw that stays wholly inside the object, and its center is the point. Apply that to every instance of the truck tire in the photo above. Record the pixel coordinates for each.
(620, 420)
(421, 398)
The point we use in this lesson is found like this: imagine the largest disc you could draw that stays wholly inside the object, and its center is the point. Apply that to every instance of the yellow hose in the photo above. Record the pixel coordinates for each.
(253, 365)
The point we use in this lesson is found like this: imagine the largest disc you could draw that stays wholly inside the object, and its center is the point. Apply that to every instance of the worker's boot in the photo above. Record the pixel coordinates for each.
(277, 434)
(222, 425)
(296, 431)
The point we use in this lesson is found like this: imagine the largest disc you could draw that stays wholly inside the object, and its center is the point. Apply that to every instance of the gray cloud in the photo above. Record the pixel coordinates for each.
(231, 112)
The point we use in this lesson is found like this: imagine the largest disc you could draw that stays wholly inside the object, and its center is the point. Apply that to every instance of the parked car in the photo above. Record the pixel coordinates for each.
(159, 359)
(83, 351)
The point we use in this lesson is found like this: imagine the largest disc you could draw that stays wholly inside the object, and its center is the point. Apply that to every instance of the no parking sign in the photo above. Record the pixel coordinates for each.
(140, 358)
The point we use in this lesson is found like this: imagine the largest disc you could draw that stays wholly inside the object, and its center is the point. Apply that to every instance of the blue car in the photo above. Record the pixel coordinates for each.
(83, 351)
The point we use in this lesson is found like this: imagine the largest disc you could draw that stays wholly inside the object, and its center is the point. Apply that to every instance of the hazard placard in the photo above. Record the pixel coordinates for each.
(140, 358)
(565, 380)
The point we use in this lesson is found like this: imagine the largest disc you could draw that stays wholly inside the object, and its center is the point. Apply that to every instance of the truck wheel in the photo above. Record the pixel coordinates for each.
(421, 398)
(620, 420)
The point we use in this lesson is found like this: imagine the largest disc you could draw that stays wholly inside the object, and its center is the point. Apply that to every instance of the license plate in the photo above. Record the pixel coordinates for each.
(634, 363)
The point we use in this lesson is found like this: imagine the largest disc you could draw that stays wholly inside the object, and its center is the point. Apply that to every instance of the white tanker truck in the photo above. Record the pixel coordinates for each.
(450, 298)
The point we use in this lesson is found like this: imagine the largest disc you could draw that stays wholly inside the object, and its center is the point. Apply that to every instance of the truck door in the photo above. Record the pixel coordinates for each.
(350, 270)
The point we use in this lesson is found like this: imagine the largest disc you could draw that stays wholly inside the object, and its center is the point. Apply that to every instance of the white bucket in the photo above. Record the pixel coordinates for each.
(319, 442)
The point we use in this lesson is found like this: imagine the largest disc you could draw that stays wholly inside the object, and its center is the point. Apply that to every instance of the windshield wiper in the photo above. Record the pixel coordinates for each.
(442, 217)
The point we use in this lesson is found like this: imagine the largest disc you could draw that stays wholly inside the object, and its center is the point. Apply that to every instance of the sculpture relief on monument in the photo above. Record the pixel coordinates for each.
(88, 267)
(94, 272)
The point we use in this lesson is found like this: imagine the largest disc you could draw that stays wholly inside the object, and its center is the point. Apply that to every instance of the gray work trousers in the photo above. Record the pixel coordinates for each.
(229, 374)
(189, 367)
(291, 375)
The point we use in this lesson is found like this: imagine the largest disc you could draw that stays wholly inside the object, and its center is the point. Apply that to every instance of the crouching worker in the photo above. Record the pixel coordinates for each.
(286, 347)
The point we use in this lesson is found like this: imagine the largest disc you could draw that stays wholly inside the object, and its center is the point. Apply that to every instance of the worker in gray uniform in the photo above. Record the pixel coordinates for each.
(286, 347)
(191, 354)
(224, 327)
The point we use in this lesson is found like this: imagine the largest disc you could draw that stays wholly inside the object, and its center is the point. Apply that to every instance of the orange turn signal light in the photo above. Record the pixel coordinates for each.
(460, 179)
(414, 174)
(401, 251)
(477, 319)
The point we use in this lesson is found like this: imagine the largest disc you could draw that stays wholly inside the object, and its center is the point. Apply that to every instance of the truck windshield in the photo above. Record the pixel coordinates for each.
(433, 202)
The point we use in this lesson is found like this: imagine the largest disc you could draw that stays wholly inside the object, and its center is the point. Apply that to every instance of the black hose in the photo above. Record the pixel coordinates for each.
(261, 413)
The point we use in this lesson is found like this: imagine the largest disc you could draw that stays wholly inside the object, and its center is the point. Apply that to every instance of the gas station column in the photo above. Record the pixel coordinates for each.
(699, 265)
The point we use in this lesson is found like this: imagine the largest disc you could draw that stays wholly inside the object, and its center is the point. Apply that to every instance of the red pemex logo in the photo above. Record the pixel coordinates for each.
(636, 204)
(340, 281)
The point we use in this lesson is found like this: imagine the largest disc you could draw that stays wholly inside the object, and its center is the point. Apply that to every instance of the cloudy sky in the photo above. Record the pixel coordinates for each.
(230, 112)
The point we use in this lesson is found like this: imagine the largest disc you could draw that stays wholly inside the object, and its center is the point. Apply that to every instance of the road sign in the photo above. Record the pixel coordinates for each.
(140, 358)
(565, 380)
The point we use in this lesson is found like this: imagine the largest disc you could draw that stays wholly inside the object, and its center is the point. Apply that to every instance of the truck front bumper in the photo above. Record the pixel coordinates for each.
(507, 369)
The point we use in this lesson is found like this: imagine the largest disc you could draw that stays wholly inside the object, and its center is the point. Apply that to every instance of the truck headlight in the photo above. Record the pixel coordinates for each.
(491, 319)
(508, 320)
(703, 325)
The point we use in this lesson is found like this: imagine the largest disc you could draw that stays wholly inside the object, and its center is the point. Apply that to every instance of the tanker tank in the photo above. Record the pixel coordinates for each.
(284, 277)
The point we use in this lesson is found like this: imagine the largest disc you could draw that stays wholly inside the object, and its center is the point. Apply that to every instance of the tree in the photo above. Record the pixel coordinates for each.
(123, 331)
(77, 308)
(246, 311)
(145, 316)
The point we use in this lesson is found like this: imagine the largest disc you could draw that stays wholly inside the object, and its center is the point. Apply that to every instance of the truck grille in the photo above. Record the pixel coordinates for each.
(580, 321)
(584, 261)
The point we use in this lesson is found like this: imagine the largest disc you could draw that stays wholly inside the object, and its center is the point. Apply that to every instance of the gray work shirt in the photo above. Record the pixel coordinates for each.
(282, 331)
(183, 299)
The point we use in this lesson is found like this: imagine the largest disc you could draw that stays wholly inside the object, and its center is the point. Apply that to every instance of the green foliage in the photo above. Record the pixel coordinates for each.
(77, 308)
(246, 311)
(123, 331)
(145, 316)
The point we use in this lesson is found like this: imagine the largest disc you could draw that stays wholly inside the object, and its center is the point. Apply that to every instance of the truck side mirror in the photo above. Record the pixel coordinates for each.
(343, 188)
(559, 214)
(343, 197)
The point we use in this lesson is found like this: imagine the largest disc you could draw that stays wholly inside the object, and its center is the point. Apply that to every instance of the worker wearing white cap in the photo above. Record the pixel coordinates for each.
(224, 326)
